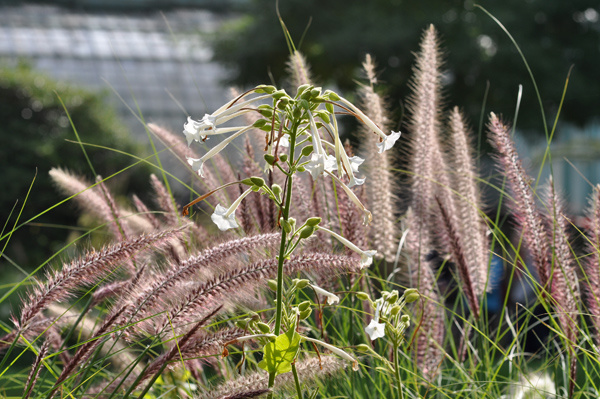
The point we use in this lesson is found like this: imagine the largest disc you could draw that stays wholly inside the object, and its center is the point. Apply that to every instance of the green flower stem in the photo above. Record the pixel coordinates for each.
(397, 371)
(297, 381)
(285, 214)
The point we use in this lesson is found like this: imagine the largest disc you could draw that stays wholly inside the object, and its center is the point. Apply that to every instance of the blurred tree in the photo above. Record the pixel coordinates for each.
(33, 134)
(553, 35)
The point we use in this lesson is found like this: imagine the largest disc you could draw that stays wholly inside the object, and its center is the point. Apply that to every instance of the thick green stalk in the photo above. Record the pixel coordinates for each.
(397, 371)
(285, 212)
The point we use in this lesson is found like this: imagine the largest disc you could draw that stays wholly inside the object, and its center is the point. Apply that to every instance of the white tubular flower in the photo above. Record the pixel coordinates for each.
(331, 298)
(224, 218)
(375, 329)
(367, 217)
(336, 350)
(366, 257)
(387, 140)
(197, 164)
(319, 165)
(316, 166)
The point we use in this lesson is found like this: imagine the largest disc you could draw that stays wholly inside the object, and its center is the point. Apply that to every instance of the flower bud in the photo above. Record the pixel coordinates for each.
(242, 324)
(395, 310)
(279, 94)
(411, 295)
(405, 319)
(264, 89)
(393, 297)
(263, 327)
(272, 284)
(301, 283)
(286, 225)
(301, 169)
(301, 89)
(363, 296)
(306, 232)
(277, 190)
(257, 181)
(260, 123)
(363, 348)
(305, 313)
(270, 159)
(316, 92)
(283, 157)
(332, 95)
(329, 108)
(314, 221)
(303, 306)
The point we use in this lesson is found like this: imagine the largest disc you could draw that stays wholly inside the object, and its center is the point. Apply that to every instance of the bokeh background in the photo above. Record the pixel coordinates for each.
(116, 63)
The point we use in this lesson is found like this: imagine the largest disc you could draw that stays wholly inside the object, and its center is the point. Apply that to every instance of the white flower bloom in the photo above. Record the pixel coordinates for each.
(316, 165)
(224, 218)
(209, 121)
(319, 164)
(336, 350)
(366, 257)
(284, 141)
(331, 298)
(388, 141)
(375, 329)
(355, 162)
(197, 164)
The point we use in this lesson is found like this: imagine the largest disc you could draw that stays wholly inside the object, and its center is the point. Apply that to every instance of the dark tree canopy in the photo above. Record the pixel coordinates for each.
(553, 35)
(34, 134)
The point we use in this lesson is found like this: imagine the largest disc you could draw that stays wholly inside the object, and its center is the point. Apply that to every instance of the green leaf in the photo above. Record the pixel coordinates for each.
(279, 355)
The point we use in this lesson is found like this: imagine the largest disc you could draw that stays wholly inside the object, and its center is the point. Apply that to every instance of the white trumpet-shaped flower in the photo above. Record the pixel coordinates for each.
(224, 218)
(375, 329)
(388, 141)
(366, 257)
(331, 298)
(336, 350)
(199, 130)
(197, 164)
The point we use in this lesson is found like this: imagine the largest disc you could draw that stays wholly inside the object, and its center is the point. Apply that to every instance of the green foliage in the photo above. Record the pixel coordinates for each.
(279, 355)
(552, 34)
(34, 133)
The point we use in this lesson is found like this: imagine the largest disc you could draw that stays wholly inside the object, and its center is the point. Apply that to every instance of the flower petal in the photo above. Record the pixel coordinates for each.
(388, 142)
(375, 330)
(197, 165)
(222, 221)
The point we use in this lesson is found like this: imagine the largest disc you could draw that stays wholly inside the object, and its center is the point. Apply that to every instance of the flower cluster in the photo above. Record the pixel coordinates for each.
(308, 119)
(388, 314)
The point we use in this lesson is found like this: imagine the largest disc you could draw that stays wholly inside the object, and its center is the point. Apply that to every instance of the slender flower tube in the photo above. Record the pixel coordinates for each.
(350, 164)
(197, 164)
(366, 257)
(198, 130)
(388, 141)
(331, 298)
(336, 350)
(367, 217)
(224, 218)
(316, 166)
